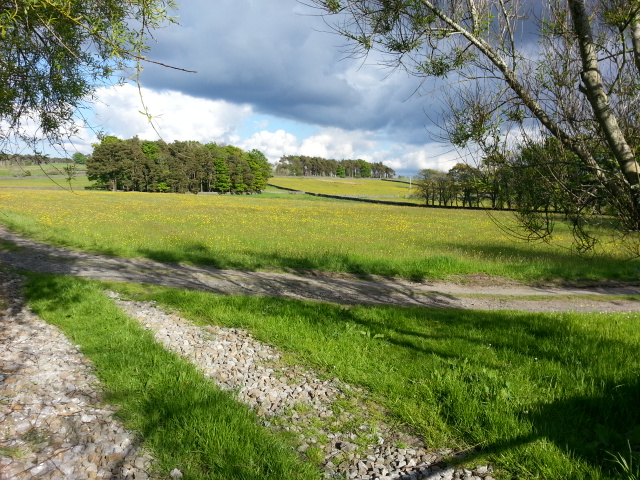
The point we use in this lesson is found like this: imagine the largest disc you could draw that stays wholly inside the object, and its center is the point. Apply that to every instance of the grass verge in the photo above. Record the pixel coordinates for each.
(551, 396)
(184, 419)
(544, 298)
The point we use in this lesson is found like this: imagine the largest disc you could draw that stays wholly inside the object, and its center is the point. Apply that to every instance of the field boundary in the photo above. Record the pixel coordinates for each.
(396, 181)
(381, 202)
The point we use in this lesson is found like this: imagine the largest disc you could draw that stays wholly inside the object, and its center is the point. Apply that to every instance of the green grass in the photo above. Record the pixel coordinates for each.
(364, 187)
(44, 169)
(54, 181)
(183, 418)
(299, 232)
(550, 396)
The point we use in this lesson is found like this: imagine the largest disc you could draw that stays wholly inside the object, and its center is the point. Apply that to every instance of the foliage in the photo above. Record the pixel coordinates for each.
(436, 187)
(578, 83)
(179, 167)
(302, 165)
(79, 158)
(466, 186)
(55, 53)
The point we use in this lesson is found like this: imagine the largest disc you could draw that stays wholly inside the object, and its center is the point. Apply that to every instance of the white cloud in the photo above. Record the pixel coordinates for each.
(304, 97)
(328, 143)
(431, 155)
(177, 116)
(273, 144)
(344, 144)
(340, 144)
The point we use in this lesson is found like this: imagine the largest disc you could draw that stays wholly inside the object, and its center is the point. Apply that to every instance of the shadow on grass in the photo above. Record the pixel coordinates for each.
(38, 257)
(559, 264)
(581, 393)
(187, 421)
(197, 253)
(596, 430)
(523, 259)
(516, 259)
(505, 380)
(586, 413)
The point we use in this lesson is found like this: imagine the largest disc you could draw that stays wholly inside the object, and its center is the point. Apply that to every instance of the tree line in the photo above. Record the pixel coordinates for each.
(572, 80)
(178, 167)
(522, 180)
(304, 166)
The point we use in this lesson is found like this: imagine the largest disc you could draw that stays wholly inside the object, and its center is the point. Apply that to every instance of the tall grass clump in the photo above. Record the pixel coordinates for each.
(628, 465)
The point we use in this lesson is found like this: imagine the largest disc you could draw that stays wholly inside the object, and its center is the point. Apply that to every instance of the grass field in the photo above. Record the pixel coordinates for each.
(54, 181)
(44, 169)
(365, 187)
(550, 396)
(540, 396)
(299, 232)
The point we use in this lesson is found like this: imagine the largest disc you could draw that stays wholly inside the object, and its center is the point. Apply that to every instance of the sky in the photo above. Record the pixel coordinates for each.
(272, 76)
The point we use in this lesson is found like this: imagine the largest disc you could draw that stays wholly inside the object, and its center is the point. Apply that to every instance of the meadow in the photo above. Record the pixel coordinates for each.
(44, 169)
(363, 187)
(286, 232)
(550, 396)
(47, 182)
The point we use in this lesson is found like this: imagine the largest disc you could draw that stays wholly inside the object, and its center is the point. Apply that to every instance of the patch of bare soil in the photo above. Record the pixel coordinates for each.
(466, 292)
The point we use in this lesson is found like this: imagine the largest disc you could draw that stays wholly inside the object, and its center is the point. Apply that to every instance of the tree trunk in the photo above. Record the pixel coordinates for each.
(635, 41)
(597, 96)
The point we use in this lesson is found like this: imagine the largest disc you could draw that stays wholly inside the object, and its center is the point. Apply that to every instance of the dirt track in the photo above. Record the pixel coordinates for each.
(474, 292)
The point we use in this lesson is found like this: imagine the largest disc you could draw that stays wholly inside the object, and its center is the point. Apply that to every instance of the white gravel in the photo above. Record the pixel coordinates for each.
(53, 422)
(55, 425)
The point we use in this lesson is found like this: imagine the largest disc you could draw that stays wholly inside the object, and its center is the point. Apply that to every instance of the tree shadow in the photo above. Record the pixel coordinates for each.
(199, 254)
(596, 430)
(166, 270)
(562, 263)
(590, 427)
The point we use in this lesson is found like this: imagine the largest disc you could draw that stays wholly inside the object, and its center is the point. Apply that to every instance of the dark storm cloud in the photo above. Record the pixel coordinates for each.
(274, 56)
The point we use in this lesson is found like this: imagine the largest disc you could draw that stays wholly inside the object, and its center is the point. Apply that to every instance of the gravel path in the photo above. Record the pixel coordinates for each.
(475, 291)
(351, 442)
(53, 423)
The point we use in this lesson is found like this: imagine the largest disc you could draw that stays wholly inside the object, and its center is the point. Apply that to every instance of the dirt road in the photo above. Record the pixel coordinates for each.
(473, 292)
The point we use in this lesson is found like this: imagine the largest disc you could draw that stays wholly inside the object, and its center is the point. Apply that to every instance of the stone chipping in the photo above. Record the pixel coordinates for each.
(348, 442)
(53, 421)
